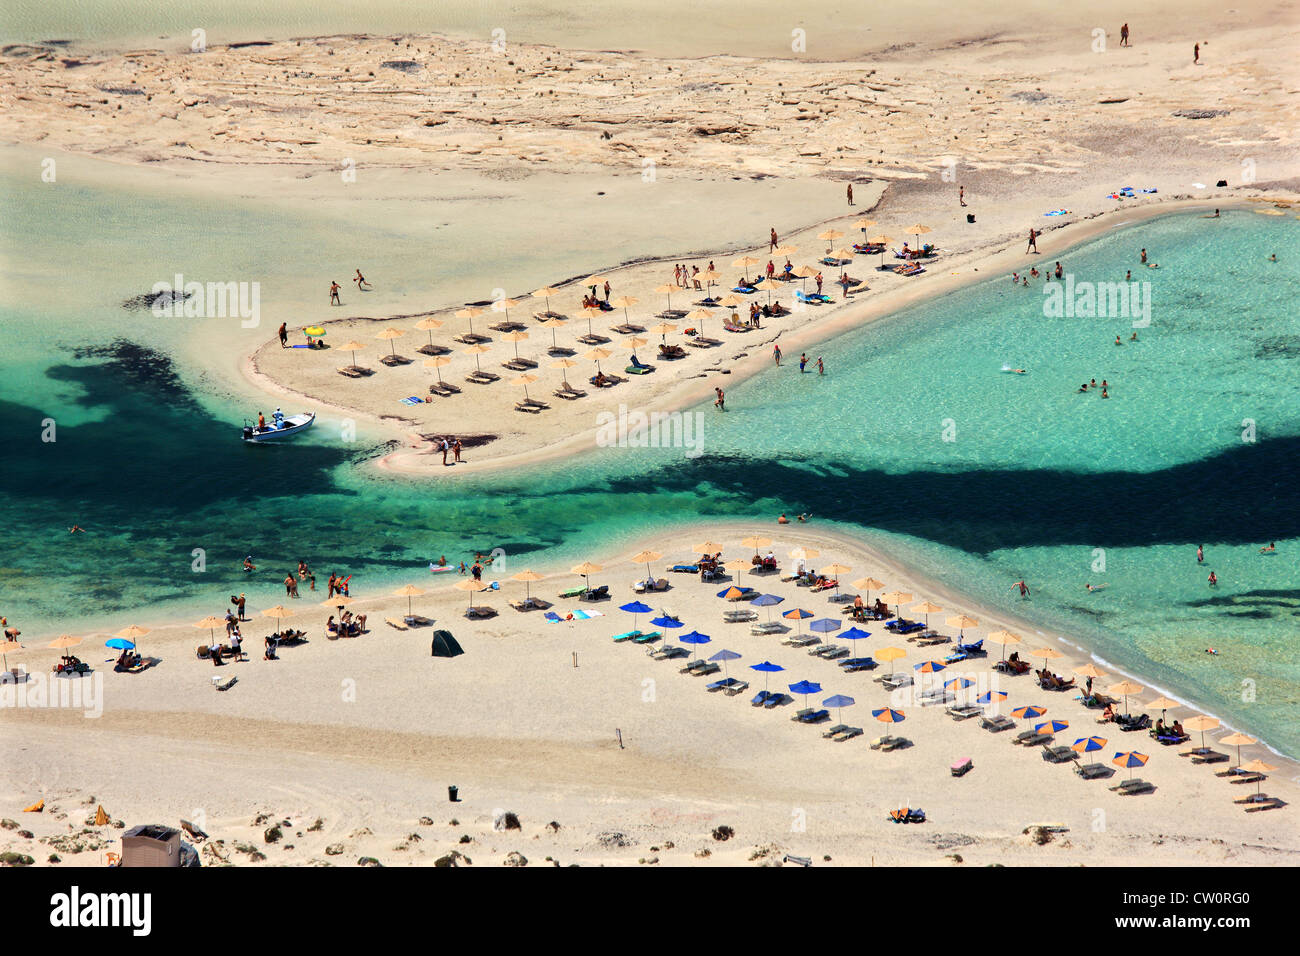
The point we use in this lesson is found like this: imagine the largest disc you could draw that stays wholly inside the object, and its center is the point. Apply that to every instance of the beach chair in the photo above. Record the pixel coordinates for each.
(1013, 668)
(965, 711)
(626, 636)
(573, 592)
(829, 652)
(533, 408)
(997, 724)
(889, 742)
(739, 617)
(936, 698)
(480, 611)
(1211, 757)
(694, 666)
(768, 627)
(848, 733)
(731, 685)
(760, 699)
(569, 394)
(812, 716)
(1060, 754)
(806, 640)
(854, 664)
(777, 700)
(530, 604)
(962, 767)
(833, 731)
(895, 681)
(595, 594)
(1091, 771)
(395, 623)
(670, 653)
(647, 638)
(1132, 787)
(707, 670)
(1031, 738)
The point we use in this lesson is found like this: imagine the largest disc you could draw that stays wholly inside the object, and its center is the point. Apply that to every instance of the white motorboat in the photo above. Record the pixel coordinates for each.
(279, 428)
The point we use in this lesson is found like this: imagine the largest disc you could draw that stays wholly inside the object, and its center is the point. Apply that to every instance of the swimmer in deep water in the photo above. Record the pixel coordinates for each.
(1095, 587)
(1271, 549)
(1117, 341)
(76, 528)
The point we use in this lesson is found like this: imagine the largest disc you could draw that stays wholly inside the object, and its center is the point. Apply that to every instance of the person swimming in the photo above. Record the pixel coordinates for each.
(1095, 587)
(1271, 549)
(783, 520)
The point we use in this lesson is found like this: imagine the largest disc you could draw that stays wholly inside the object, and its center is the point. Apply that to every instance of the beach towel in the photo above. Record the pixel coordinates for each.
(577, 615)
(412, 400)
(1057, 212)
(745, 289)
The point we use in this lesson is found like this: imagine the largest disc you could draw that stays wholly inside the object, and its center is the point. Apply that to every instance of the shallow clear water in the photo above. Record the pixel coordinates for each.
(1039, 482)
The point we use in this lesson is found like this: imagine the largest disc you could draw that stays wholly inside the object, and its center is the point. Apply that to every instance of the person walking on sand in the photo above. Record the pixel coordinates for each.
(360, 280)
(334, 293)
(961, 195)
(284, 335)
(819, 283)
(445, 448)
(1123, 35)
(1033, 241)
(607, 292)
(456, 449)
(1196, 54)
(772, 240)
(776, 354)
(850, 194)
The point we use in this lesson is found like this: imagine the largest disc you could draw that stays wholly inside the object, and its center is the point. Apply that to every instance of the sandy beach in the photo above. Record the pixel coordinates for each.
(341, 752)
(354, 742)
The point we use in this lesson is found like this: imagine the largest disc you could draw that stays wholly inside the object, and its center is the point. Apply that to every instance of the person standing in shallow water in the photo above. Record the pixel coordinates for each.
(1200, 554)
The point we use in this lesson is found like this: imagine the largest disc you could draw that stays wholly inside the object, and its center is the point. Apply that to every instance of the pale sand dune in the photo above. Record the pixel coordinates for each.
(367, 733)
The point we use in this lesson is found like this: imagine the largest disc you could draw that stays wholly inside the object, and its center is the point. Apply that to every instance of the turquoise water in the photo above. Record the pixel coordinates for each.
(1038, 481)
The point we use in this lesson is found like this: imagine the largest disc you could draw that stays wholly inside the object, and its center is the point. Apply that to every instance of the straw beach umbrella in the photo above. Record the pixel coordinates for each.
(756, 541)
(516, 338)
(699, 315)
(708, 277)
(961, 622)
(1200, 724)
(1237, 740)
(918, 231)
(863, 225)
(1259, 767)
(745, 262)
(662, 330)
(707, 547)
(564, 364)
(834, 571)
(624, 302)
(525, 380)
(868, 585)
(587, 569)
(668, 289)
(504, 305)
(785, 250)
(898, 599)
(805, 273)
(592, 314)
(132, 633)
(554, 324)
(645, 557)
(472, 586)
(428, 325)
(408, 592)
(210, 624)
(471, 313)
(927, 608)
(1004, 638)
(354, 347)
(476, 351)
(830, 235)
(596, 355)
(545, 294)
(391, 335)
(437, 364)
(883, 241)
(528, 576)
(1125, 689)
(1047, 654)
(6, 648)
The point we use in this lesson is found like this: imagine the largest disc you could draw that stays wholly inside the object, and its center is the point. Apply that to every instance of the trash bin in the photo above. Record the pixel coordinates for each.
(453, 794)
(970, 217)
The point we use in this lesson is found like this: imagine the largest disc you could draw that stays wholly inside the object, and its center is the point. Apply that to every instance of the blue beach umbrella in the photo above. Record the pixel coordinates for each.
(990, 696)
(1029, 712)
(120, 644)
(887, 715)
(960, 683)
(1130, 760)
(1051, 726)
(664, 621)
(824, 625)
(1087, 745)
(798, 615)
(768, 601)
(731, 593)
(929, 667)
(839, 702)
(855, 634)
(694, 637)
(766, 668)
(806, 687)
(724, 656)
(635, 608)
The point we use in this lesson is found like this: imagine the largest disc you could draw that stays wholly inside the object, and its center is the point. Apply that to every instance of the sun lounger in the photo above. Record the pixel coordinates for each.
(569, 394)
(1249, 778)
(812, 716)
(573, 592)
(1031, 739)
(962, 767)
(739, 617)
(804, 640)
(965, 711)
(997, 724)
(902, 626)
(396, 623)
(1060, 754)
(1129, 723)
(1170, 740)
(708, 669)
(1132, 787)
(936, 698)
(906, 815)
(974, 649)
(837, 729)
(854, 664)
(768, 627)
(889, 742)
(482, 377)
(895, 681)
(530, 604)
(694, 666)
(480, 611)
(829, 652)
(929, 640)
(670, 653)
(777, 700)
(647, 638)
(1091, 771)
(761, 698)
(626, 636)
(731, 685)
(1272, 803)
(595, 594)
(533, 407)
(355, 371)
(1211, 757)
